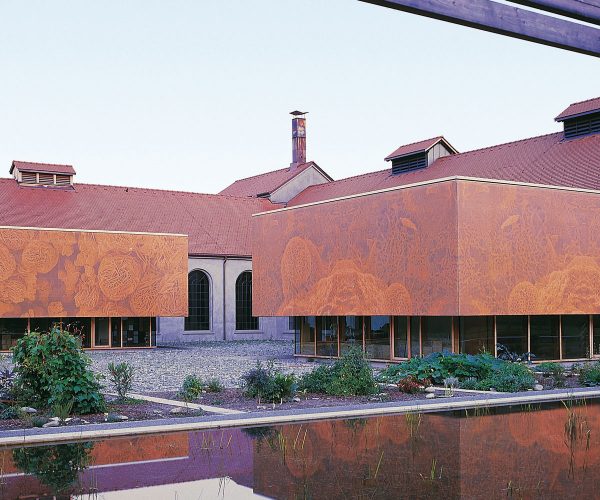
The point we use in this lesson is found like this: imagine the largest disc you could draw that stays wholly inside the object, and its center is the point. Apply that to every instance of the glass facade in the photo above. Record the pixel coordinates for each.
(327, 336)
(101, 332)
(377, 337)
(544, 333)
(11, 330)
(391, 338)
(512, 332)
(351, 332)
(575, 335)
(136, 332)
(400, 336)
(476, 334)
(436, 334)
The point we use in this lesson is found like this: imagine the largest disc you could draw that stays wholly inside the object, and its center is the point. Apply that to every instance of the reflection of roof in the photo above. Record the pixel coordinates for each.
(265, 184)
(417, 147)
(580, 108)
(545, 159)
(216, 224)
(51, 168)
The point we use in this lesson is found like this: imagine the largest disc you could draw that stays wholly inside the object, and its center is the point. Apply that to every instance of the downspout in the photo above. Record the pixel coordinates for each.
(224, 302)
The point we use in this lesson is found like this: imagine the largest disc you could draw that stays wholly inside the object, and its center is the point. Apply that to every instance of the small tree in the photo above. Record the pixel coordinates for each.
(121, 378)
(52, 368)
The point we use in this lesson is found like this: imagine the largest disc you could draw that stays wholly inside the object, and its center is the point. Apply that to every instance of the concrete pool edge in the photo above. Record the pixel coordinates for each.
(27, 437)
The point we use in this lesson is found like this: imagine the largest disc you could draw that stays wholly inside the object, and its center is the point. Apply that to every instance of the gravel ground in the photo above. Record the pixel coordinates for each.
(164, 368)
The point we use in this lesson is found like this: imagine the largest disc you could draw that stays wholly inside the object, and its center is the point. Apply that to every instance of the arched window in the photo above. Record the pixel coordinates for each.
(198, 317)
(243, 303)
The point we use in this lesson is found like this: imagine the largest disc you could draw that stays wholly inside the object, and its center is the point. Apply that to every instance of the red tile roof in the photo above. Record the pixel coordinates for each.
(265, 183)
(580, 108)
(547, 159)
(51, 168)
(417, 147)
(215, 224)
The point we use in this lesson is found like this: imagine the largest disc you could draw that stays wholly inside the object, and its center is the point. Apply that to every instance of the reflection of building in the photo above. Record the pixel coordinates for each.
(109, 260)
(445, 251)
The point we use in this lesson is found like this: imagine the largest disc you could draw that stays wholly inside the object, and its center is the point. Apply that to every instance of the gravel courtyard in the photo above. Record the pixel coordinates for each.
(164, 368)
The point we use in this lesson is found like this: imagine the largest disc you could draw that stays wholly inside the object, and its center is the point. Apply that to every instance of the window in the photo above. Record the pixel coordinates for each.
(544, 337)
(476, 334)
(377, 337)
(305, 336)
(575, 336)
(511, 332)
(136, 332)
(415, 336)
(436, 334)
(327, 336)
(351, 333)
(400, 336)
(243, 303)
(198, 317)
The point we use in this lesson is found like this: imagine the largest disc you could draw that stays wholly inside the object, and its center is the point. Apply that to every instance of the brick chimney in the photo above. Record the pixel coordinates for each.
(298, 138)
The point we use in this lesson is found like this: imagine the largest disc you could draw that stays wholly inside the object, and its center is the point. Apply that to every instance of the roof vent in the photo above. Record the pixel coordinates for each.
(581, 118)
(42, 174)
(419, 154)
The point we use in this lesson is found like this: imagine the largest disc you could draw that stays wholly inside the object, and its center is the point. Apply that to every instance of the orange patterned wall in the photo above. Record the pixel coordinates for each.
(457, 247)
(528, 250)
(48, 273)
(390, 253)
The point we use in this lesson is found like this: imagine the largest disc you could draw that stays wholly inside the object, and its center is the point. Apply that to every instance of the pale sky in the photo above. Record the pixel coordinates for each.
(191, 95)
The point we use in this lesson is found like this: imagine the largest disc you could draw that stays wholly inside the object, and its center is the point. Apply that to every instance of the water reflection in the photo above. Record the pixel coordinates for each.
(506, 452)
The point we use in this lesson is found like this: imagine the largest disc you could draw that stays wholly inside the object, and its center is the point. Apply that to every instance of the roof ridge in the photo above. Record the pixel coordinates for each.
(176, 191)
(269, 172)
(43, 163)
(584, 101)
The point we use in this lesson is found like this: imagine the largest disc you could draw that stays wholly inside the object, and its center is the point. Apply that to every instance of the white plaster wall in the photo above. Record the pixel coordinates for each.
(308, 177)
(221, 285)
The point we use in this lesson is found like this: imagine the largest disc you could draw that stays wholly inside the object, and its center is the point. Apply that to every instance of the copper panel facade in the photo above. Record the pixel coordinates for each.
(457, 247)
(390, 253)
(53, 273)
(528, 250)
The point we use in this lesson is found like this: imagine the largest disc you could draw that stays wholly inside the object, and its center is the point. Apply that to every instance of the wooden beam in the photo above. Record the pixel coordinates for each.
(588, 11)
(505, 20)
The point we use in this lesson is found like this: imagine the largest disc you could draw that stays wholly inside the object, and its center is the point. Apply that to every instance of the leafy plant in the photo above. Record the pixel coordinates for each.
(7, 381)
(10, 412)
(410, 385)
(268, 384)
(589, 374)
(62, 409)
(121, 378)
(510, 377)
(351, 375)
(214, 385)
(506, 354)
(52, 367)
(191, 388)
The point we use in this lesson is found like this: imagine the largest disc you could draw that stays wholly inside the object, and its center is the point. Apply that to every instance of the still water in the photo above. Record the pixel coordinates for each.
(506, 452)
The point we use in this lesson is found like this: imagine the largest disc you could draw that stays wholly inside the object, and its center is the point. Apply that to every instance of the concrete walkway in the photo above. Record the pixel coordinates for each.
(102, 431)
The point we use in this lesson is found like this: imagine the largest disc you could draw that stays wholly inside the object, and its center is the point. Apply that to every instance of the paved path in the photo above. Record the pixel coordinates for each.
(164, 368)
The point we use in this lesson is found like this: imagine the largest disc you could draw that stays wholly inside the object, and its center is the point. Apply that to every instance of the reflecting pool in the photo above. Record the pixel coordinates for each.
(504, 452)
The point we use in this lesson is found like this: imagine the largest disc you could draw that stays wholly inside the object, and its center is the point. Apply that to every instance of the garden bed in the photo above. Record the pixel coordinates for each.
(133, 409)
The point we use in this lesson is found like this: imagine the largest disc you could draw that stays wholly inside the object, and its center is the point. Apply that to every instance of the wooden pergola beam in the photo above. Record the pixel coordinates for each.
(505, 20)
(588, 11)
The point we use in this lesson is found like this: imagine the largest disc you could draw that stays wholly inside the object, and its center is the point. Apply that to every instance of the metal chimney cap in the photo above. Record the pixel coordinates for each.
(298, 113)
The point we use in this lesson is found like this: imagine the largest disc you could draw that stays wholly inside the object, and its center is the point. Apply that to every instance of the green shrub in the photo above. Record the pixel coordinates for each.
(439, 366)
(214, 385)
(191, 388)
(317, 381)
(10, 412)
(51, 367)
(351, 375)
(510, 377)
(589, 374)
(268, 384)
(121, 378)
(554, 370)
(469, 383)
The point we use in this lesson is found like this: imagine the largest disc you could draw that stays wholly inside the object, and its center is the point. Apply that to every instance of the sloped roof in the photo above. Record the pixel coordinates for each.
(580, 108)
(51, 168)
(266, 183)
(546, 159)
(215, 224)
(417, 147)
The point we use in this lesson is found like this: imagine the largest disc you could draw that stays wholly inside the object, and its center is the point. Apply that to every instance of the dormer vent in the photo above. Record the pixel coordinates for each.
(581, 118)
(419, 154)
(42, 174)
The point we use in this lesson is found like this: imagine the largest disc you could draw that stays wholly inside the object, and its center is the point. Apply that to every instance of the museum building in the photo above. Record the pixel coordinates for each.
(445, 251)
(128, 267)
